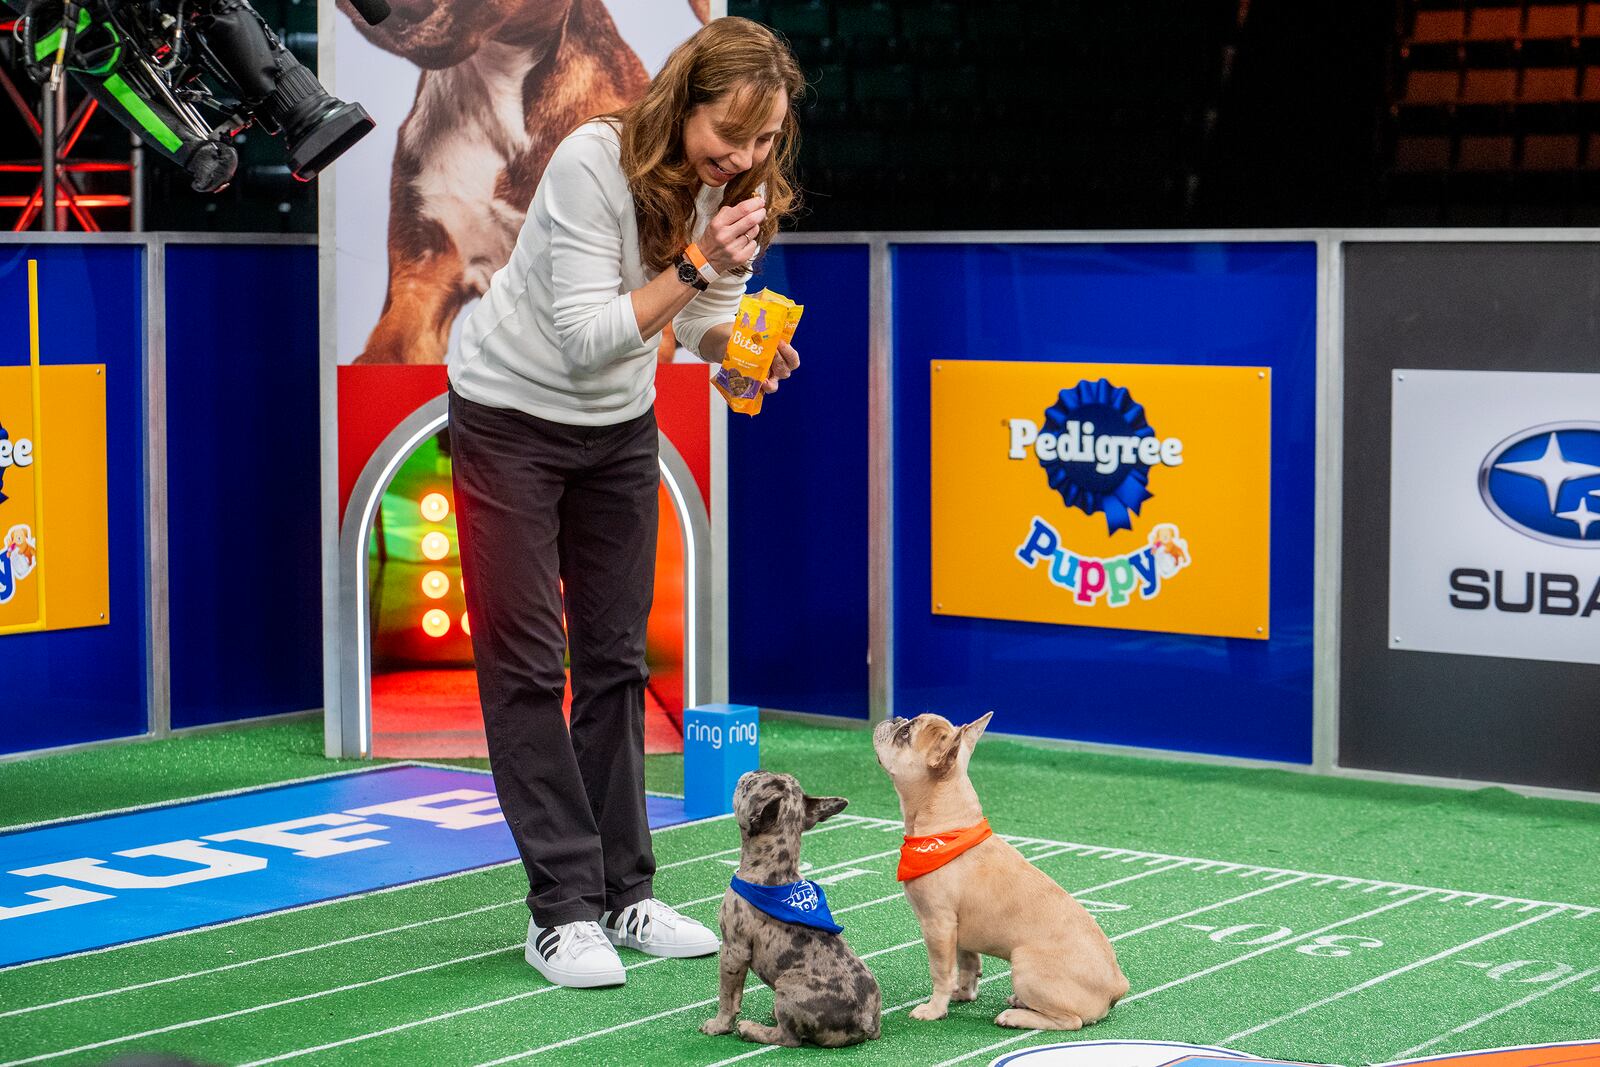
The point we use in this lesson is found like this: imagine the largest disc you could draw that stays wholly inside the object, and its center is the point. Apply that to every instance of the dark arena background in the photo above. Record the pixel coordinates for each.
(1208, 389)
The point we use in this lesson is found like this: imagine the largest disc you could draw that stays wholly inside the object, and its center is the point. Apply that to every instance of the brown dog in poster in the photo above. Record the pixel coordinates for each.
(975, 895)
(503, 82)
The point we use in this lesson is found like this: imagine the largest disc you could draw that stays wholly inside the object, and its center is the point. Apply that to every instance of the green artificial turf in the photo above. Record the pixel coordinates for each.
(1337, 971)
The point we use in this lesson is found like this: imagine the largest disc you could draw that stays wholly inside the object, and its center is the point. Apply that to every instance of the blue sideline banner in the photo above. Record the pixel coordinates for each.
(73, 886)
(1211, 344)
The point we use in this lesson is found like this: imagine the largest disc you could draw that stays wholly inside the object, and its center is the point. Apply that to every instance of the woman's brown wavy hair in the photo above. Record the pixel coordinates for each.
(727, 55)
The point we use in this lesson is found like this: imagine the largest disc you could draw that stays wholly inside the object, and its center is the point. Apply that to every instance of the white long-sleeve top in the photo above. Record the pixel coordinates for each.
(556, 335)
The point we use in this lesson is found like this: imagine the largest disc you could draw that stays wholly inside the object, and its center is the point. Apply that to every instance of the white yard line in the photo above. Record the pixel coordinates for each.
(580, 1038)
(243, 963)
(258, 959)
(990, 1048)
(1025, 1035)
(1225, 866)
(1369, 983)
(1464, 1027)
(1001, 974)
(832, 824)
(1129, 878)
(503, 1000)
(1230, 1039)
(264, 915)
(771, 1048)
(742, 1056)
(314, 904)
(431, 1019)
(1273, 888)
(323, 945)
(1272, 947)
(219, 794)
(870, 903)
(813, 871)
(1077, 892)
(261, 1007)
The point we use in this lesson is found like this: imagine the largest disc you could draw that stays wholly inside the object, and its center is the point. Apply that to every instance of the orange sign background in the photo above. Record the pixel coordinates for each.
(984, 504)
(70, 544)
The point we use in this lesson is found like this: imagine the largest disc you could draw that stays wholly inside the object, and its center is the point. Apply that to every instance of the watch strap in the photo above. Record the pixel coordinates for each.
(701, 263)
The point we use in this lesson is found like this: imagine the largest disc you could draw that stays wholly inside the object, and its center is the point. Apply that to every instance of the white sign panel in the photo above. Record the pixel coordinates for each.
(1494, 535)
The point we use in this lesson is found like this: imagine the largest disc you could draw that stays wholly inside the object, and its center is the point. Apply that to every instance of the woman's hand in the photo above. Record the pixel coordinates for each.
(730, 237)
(784, 363)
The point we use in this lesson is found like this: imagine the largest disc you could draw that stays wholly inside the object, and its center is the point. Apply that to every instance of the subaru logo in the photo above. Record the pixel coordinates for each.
(1544, 483)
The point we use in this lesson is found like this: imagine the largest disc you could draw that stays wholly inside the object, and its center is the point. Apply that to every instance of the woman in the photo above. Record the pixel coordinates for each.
(643, 218)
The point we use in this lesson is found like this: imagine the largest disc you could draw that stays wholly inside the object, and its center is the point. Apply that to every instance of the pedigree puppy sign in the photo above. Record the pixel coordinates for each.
(1128, 496)
(53, 537)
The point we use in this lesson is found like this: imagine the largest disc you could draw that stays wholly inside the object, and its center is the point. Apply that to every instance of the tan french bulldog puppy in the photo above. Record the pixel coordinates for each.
(989, 900)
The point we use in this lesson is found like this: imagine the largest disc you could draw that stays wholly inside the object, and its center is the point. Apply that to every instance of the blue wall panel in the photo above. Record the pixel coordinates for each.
(64, 687)
(1211, 304)
(797, 501)
(243, 497)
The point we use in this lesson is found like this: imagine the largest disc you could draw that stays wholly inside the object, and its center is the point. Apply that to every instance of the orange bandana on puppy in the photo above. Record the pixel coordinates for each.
(922, 855)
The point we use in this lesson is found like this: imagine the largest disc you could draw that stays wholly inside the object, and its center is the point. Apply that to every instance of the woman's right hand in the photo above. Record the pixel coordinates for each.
(730, 237)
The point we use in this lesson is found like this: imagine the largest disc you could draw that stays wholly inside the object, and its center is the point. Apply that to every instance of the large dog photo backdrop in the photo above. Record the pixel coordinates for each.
(471, 98)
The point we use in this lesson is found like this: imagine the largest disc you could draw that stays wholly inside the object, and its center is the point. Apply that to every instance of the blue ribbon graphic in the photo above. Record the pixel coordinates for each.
(1111, 411)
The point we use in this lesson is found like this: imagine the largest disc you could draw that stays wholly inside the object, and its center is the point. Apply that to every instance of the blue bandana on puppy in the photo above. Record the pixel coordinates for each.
(799, 902)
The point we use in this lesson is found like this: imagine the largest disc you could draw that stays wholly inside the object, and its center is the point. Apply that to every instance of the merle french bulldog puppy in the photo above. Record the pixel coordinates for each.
(778, 923)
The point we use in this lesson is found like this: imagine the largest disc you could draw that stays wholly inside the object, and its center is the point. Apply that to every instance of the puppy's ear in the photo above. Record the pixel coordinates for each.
(763, 818)
(819, 808)
(942, 757)
(943, 761)
(974, 729)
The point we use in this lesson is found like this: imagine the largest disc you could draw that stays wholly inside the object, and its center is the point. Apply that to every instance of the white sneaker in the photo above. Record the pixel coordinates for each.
(654, 928)
(576, 955)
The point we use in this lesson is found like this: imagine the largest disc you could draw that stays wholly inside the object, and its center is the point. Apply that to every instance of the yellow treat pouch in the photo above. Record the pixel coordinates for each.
(764, 321)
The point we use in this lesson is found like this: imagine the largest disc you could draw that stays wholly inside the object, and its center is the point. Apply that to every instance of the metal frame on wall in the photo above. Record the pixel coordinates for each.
(1329, 450)
(157, 617)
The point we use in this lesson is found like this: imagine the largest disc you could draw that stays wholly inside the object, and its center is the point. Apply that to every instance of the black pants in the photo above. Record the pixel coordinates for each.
(539, 501)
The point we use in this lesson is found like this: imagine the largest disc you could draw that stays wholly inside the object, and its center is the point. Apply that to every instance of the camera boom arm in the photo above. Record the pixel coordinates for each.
(152, 64)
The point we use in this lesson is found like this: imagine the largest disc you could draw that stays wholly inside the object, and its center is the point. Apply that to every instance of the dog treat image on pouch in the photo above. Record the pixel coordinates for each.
(763, 322)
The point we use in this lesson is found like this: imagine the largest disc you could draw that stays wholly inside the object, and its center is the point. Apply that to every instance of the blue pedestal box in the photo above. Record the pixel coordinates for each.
(720, 743)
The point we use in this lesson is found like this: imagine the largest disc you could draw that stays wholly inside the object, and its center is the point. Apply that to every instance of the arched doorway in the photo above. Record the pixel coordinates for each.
(402, 619)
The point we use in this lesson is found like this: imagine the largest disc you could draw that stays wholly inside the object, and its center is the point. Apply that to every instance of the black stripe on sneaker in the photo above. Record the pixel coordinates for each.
(547, 942)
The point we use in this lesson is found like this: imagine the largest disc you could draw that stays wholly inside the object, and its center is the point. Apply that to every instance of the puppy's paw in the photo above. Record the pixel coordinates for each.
(965, 993)
(716, 1026)
(1016, 1018)
(927, 1012)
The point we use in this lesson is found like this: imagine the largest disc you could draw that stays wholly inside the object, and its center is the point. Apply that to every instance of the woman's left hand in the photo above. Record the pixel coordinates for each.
(784, 363)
